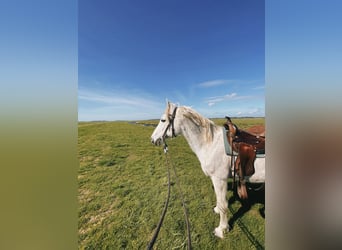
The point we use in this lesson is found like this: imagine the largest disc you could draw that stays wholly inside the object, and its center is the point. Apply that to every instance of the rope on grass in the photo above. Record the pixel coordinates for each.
(184, 207)
(156, 232)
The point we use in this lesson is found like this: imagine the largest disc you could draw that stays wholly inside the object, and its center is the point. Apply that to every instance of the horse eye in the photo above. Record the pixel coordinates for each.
(162, 120)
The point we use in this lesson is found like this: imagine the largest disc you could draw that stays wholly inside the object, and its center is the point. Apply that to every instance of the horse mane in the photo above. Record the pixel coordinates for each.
(200, 122)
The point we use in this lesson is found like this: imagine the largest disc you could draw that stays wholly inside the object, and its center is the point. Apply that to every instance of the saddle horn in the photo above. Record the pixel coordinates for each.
(228, 118)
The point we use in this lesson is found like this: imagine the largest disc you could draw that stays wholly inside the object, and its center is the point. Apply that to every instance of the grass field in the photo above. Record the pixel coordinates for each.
(122, 182)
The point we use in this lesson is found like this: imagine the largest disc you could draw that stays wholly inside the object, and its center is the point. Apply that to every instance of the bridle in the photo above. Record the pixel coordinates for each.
(171, 123)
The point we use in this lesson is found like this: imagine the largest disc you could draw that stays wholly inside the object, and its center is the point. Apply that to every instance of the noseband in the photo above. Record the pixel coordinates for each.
(171, 123)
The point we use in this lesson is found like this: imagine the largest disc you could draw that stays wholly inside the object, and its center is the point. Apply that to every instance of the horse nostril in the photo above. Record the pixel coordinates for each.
(156, 142)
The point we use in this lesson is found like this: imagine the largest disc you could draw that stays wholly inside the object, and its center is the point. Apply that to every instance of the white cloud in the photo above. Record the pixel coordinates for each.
(216, 99)
(117, 105)
(232, 111)
(250, 112)
(213, 83)
(116, 97)
(259, 87)
(253, 111)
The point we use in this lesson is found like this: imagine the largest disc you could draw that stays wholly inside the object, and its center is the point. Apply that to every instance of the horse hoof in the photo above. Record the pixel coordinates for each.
(218, 232)
(216, 210)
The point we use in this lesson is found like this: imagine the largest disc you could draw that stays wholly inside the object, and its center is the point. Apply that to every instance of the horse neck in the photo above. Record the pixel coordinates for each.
(195, 136)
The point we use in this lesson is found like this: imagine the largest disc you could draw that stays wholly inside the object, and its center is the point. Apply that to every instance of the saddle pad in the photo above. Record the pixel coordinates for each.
(228, 148)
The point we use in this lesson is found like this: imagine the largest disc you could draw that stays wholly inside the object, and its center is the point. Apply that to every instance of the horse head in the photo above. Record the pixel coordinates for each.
(166, 126)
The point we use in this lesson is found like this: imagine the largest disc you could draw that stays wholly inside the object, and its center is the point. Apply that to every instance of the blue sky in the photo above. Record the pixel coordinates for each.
(133, 55)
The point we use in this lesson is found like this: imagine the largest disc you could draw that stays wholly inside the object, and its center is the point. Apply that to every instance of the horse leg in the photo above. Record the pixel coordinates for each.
(220, 187)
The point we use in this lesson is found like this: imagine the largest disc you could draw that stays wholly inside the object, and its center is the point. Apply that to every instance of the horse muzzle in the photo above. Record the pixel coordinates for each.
(157, 141)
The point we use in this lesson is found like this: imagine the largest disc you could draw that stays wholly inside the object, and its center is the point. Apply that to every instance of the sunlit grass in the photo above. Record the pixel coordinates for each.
(123, 185)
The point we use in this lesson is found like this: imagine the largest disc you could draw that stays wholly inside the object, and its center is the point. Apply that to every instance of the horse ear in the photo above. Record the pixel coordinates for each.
(167, 102)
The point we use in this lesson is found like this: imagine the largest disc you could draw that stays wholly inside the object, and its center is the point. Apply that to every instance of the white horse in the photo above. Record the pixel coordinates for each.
(206, 140)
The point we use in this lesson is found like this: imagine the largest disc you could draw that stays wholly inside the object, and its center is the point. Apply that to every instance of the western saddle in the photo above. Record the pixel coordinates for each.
(246, 145)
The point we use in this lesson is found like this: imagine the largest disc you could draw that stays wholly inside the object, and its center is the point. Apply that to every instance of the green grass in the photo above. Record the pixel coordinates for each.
(123, 185)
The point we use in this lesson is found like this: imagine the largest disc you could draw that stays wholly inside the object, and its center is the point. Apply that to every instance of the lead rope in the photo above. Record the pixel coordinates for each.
(183, 203)
(156, 232)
